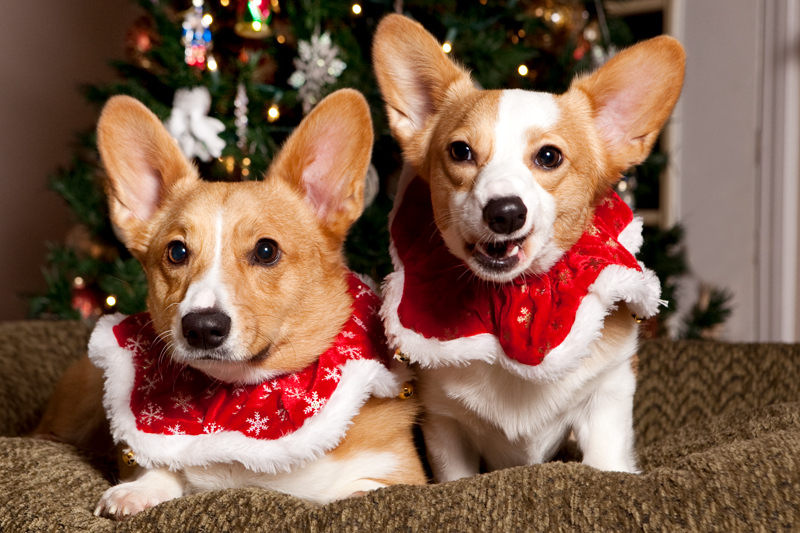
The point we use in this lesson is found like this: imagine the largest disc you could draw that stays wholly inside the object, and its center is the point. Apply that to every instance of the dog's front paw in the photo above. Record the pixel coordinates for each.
(130, 498)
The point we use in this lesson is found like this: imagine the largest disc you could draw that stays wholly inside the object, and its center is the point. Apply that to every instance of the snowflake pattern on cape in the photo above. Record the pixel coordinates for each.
(171, 399)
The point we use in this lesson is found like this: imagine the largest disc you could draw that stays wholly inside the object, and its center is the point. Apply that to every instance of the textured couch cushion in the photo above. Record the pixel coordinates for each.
(718, 430)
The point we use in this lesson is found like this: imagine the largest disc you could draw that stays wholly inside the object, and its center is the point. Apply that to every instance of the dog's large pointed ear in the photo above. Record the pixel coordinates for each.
(633, 95)
(327, 157)
(415, 76)
(142, 161)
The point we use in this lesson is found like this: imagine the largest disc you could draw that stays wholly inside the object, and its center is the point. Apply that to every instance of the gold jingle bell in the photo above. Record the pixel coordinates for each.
(128, 457)
(407, 392)
(637, 318)
(400, 356)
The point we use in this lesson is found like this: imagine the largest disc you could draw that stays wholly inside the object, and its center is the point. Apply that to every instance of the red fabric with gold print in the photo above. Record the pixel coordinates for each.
(531, 315)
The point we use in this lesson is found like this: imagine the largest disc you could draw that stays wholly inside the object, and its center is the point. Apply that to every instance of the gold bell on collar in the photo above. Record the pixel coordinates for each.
(407, 392)
(128, 457)
(400, 356)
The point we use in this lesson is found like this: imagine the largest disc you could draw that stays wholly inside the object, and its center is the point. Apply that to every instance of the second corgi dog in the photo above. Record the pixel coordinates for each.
(515, 279)
(261, 361)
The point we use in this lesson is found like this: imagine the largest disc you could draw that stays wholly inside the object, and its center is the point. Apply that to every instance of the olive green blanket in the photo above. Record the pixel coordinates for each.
(718, 429)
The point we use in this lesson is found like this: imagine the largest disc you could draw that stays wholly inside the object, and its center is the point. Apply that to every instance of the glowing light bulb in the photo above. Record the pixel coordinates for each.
(111, 301)
(447, 47)
(256, 25)
(281, 39)
(78, 281)
(356, 9)
(273, 113)
(523, 70)
(207, 20)
(212, 63)
(246, 161)
(224, 2)
(245, 172)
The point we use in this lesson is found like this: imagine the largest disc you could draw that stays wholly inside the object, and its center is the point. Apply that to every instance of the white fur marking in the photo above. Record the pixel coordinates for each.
(507, 174)
(209, 292)
(150, 488)
(321, 481)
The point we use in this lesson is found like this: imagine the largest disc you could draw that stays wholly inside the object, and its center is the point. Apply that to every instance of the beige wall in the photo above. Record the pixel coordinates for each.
(719, 119)
(47, 49)
(739, 168)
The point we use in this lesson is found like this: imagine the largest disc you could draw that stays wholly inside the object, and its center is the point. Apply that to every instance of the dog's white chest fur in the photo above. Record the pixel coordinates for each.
(481, 411)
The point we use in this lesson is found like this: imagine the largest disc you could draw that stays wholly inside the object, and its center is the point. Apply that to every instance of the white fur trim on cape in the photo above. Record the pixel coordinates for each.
(318, 435)
(631, 237)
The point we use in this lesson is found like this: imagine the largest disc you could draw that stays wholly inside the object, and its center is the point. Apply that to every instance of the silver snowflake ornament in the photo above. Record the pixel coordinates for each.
(317, 65)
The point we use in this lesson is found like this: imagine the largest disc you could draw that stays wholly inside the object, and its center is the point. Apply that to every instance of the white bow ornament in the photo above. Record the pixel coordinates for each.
(197, 133)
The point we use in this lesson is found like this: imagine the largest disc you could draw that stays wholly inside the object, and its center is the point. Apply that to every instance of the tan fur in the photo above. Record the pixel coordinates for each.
(294, 308)
(385, 425)
(75, 413)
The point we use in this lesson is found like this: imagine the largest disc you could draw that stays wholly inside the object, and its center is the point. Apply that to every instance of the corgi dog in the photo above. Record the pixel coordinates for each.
(261, 361)
(516, 291)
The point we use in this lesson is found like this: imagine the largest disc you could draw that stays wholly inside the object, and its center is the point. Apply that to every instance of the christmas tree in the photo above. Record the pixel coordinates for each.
(232, 78)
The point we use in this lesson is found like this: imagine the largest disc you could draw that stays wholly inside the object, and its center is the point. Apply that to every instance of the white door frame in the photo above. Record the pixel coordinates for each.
(779, 166)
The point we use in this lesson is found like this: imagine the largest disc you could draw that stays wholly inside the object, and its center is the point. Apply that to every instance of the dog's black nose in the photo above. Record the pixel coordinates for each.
(206, 329)
(505, 215)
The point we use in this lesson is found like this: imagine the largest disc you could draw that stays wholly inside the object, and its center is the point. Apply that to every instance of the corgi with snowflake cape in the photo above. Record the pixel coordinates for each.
(261, 360)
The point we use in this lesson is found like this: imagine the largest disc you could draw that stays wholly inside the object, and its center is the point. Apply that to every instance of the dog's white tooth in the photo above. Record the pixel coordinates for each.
(514, 251)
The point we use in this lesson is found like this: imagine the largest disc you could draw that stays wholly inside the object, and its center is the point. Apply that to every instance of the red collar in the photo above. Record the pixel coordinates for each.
(170, 399)
(530, 315)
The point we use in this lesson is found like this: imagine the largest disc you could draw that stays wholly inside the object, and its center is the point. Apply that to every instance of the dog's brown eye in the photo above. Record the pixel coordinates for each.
(460, 151)
(549, 157)
(177, 252)
(267, 252)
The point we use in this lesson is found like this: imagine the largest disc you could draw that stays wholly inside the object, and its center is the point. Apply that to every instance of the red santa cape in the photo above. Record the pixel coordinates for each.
(538, 326)
(175, 416)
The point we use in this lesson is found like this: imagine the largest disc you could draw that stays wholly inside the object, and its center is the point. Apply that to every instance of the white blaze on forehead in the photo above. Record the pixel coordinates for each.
(507, 173)
(209, 291)
(518, 112)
